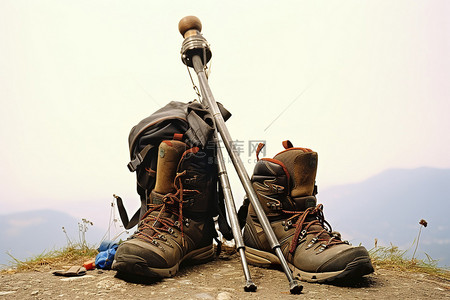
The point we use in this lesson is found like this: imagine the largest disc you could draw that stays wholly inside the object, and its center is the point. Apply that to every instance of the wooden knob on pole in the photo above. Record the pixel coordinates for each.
(189, 26)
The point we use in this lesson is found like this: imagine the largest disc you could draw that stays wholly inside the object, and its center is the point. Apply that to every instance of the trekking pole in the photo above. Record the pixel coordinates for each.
(196, 54)
(230, 206)
(232, 215)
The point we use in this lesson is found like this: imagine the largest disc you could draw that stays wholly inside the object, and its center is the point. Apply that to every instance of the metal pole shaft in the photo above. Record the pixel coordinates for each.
(229, 202)
(240, 169)
(231, 210)
(232, 215)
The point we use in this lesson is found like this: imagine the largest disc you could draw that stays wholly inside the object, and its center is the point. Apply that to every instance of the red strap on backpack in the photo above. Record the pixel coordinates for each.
(258, 149)
(178, 136)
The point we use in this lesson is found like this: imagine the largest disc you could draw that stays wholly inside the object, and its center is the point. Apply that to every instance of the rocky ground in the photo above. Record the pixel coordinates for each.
(221, 279)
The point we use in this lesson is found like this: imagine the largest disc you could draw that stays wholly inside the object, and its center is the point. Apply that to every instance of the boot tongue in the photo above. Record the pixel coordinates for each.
(303, 203)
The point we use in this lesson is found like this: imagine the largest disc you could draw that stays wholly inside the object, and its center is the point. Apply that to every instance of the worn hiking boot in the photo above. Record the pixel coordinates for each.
(286, 189)
(178, 225)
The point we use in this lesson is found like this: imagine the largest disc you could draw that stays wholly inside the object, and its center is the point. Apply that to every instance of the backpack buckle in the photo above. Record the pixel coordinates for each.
(132, 165)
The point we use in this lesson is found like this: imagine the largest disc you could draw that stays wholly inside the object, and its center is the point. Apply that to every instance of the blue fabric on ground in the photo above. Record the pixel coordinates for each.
(105, 257)
(105, 245)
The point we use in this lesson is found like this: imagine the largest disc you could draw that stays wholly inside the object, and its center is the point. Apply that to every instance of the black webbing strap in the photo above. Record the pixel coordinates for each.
(139, 158)
(219, 245)
(224, 227)
(243, 211)
(128, 224)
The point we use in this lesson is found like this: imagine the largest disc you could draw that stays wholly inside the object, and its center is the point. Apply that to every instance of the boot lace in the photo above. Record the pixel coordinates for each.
(154, 226)
(312, 221)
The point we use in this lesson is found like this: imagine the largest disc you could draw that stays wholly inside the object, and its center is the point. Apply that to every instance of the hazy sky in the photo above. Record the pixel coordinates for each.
(364, 83)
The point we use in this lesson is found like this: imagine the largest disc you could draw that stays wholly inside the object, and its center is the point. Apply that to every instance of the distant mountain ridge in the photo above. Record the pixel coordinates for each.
(388, 206)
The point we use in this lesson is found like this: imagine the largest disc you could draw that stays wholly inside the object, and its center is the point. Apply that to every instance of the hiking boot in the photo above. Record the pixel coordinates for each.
(286, 189)
(178, 225)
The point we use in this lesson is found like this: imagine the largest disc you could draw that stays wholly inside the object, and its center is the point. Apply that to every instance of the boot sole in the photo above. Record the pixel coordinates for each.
(359, 267)
(135, 265)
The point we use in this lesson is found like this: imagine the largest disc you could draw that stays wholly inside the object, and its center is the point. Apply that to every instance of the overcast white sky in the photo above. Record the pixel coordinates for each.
(364, 83)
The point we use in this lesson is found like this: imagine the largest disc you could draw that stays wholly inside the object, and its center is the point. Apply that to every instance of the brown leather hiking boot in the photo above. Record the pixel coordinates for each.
(178, 225)
(285, 186)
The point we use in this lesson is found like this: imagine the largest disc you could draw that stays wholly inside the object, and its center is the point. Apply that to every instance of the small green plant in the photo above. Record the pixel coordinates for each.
(82, 229)
(422, 223)
(69, 242)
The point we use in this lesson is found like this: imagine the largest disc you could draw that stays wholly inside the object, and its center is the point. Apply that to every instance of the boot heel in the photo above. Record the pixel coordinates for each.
(261, 258)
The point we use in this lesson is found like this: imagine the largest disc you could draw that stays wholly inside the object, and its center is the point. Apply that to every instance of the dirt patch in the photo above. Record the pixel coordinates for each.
(220, 279)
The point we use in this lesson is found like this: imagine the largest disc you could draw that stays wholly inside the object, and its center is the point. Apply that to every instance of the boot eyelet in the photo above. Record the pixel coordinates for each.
(322, 248)
(283, 223)
(312, 242)
(170, 230)
(302, 234)
(336, 235)
(176, 224)
(289, 223)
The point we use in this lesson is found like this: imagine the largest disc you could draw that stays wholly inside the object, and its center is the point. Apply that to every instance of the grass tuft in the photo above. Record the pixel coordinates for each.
(52, 260)
(395, 259)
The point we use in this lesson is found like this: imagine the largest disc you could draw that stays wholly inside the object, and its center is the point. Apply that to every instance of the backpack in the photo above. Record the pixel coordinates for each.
(189, 122)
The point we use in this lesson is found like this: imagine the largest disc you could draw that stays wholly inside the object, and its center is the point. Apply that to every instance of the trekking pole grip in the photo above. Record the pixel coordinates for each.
(190, 25)
(194, 43)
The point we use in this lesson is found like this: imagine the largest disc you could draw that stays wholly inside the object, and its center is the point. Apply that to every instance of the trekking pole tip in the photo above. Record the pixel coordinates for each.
(295, 288)
(250, 286)
(189, 25)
